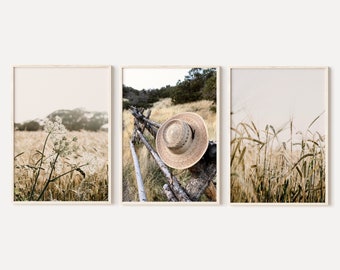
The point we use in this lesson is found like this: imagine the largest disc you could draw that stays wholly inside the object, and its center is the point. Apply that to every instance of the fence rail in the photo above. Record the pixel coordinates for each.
(202, 173)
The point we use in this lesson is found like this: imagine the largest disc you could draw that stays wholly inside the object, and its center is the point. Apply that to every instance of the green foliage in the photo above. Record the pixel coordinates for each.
(28, 126)
(209, 89)
(79, 119)
(73, 120)
(165, 92)
(96, 121)
(213, 108)
(133, 97)
(126, 105)
(197, 85)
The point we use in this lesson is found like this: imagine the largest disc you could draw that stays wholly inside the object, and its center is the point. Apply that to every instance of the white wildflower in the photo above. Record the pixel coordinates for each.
(91, 161)
(55, 128)
(58, 119)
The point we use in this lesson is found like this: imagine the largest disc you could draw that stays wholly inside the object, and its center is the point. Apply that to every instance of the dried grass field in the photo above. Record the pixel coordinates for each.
(265, 168)
(75, 165)
(151, 174)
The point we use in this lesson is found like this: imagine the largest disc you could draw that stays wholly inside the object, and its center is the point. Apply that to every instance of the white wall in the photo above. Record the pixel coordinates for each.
(126, 32)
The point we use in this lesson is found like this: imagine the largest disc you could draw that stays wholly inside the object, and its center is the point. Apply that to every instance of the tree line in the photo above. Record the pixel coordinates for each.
(197, 85)
(73, 120)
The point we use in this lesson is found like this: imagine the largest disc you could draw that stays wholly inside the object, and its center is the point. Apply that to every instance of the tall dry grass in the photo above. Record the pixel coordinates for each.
(152, 176)
(71, 187)
(265, 168)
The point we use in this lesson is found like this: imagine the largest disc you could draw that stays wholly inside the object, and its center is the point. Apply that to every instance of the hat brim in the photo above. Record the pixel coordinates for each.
(196, 149)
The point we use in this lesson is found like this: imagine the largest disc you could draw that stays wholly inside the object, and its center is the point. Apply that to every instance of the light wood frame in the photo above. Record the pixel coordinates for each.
(218, 184)
(107, 69)
(326, 90)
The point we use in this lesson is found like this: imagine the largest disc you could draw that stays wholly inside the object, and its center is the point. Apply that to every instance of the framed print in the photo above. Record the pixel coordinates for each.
(170, 134)
(279, 135)
(62, 128)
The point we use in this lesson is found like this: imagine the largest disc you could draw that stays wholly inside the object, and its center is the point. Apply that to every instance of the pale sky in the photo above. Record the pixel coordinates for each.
(273, 96)
(152, 78)
(39, 91)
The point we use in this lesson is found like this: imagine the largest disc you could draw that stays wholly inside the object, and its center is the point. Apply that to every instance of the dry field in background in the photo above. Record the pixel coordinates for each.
(71, 187)
(152, 176)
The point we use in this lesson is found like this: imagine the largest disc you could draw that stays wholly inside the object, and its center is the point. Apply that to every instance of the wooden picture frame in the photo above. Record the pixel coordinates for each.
(62, 134)
(148, 101)
(279, 135)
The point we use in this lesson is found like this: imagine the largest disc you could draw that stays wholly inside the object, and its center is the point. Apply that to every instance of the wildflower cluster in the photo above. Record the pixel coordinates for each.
(55, 127)
(92, 162)
(62, 165)
(61, 144)
(54, 162)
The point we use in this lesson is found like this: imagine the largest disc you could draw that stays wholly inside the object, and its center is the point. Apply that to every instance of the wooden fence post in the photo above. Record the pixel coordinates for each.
(173, 182)
(169, 194)
(202, 175)
(140, 185)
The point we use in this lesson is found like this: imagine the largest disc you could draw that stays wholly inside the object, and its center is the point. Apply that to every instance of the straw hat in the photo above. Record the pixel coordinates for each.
(182, 140)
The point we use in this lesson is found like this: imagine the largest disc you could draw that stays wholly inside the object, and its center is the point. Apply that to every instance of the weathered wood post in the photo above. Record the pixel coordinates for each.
(173, 182)
(169, 194)
(139, 179)
(151, 126)
(202, 175)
